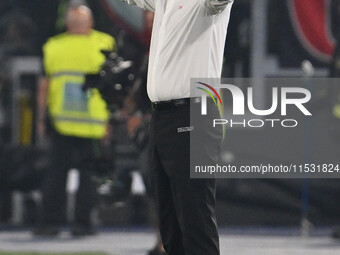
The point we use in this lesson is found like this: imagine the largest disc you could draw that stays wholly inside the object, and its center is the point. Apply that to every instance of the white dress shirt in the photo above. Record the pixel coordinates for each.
(187, 42)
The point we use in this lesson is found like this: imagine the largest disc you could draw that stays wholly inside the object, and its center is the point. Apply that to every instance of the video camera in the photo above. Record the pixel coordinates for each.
(113, 81)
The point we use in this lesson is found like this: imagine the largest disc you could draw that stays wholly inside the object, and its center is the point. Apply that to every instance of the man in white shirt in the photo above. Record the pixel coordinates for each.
(187, 42)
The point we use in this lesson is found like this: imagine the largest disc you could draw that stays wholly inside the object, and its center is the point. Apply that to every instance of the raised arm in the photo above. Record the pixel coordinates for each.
(217, 6)
(145, 4)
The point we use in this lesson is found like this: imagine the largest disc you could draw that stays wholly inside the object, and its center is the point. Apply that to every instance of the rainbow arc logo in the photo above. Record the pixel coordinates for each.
(212, 93)
(209, 93)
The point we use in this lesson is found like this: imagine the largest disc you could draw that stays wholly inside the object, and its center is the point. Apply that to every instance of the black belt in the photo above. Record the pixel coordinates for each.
(172, 104)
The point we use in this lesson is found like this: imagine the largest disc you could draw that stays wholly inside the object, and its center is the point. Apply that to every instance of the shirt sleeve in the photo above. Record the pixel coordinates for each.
(145, 4)
(217, 6)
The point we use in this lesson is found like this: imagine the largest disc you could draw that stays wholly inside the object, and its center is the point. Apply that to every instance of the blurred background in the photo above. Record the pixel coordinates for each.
(265, 39)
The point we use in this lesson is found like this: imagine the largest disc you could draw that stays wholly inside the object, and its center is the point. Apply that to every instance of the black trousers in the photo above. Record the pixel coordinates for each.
(185, 206)
(69, 152)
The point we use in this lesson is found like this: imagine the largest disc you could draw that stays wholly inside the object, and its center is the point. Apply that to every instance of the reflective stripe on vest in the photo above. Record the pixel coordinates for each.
(80, 120)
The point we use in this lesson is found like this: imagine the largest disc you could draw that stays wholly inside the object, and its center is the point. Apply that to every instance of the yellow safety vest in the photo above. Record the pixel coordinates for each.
(67, 58)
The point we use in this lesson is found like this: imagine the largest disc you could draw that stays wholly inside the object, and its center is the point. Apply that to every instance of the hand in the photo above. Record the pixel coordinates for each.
(128, 107)
(133, 123)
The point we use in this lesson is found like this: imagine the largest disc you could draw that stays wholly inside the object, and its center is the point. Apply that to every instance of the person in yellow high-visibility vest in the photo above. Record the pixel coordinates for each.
(77, 120)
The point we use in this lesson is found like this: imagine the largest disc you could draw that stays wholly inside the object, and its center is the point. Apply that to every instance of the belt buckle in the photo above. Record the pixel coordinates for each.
(160, 106)
(196, 100)
(155, 106)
